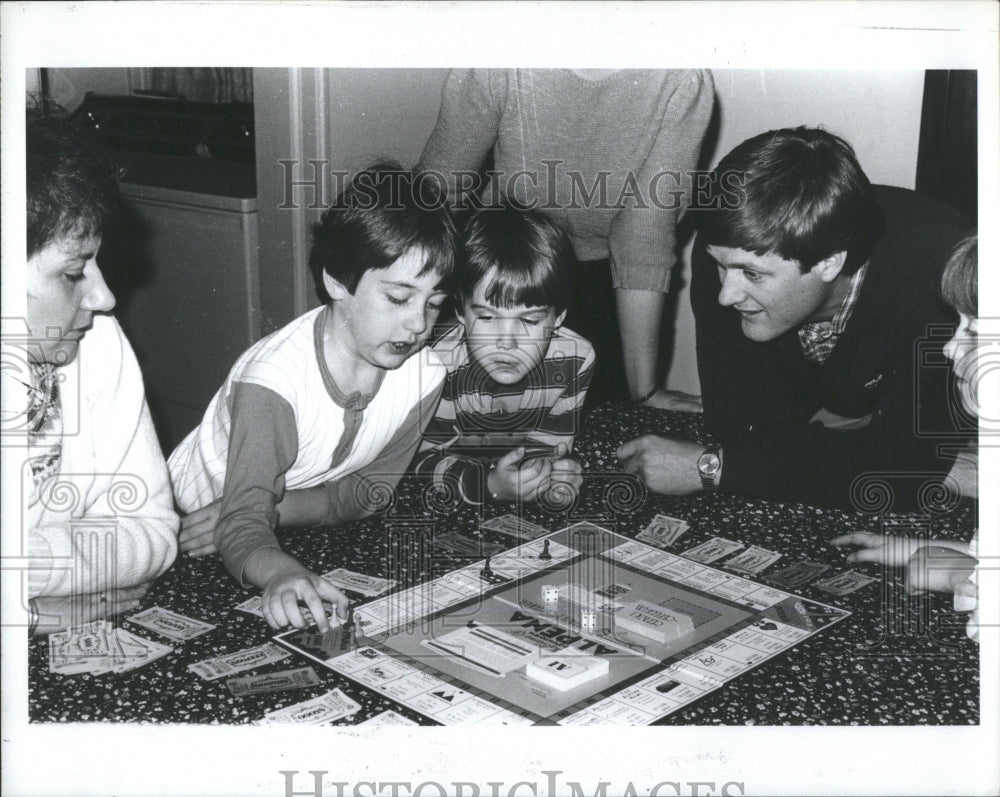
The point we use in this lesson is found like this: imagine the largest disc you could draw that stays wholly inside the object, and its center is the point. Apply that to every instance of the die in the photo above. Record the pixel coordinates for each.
(588, 620)
(550, 594)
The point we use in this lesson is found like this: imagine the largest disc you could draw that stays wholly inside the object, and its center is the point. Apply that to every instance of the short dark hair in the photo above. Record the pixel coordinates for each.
(531, 255)
(805, 197)
(71, 184)
(384, 212)
(960, 280)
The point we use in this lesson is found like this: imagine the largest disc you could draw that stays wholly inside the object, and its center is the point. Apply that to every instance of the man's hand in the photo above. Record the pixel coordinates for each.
(509, 480)
(197, 537)
(938, 568)
(59, 613)
(674, 400)
(666, 466)
(884, 548)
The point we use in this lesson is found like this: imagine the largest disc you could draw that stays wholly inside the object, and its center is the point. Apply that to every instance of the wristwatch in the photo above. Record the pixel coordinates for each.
(709, 466)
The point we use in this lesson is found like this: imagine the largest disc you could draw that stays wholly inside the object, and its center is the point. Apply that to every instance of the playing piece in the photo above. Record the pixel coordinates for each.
(487, 571)
(320, 710)
(566, 672)
(663, 531)
(752, 560)
(386, 719)
(715, 548)
(99, 648)
(81, 649)
(133, 651)
(545, 551)
(797, 574)
(514, 526)
(845, 583)
(369, 586)
(466, 546)
(170, 624)
(232, 663)
(245, 685)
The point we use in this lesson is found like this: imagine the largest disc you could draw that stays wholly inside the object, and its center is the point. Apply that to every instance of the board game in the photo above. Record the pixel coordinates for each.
(581, 626)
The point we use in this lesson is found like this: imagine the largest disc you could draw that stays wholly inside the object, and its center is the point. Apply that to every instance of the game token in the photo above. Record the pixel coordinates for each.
(545, 551)
(487, 571)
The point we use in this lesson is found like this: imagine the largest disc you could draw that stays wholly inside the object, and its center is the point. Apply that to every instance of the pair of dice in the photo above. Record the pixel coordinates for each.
(588, 619)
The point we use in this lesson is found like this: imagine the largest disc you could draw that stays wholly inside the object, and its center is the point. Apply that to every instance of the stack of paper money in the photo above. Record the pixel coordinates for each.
(99, 648)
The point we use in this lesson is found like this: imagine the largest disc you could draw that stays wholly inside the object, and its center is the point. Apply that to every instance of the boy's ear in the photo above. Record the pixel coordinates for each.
(334, 287)
(829, 268)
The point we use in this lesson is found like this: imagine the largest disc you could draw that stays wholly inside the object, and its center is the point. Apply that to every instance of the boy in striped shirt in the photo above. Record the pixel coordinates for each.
(314, 413)
(516, 376)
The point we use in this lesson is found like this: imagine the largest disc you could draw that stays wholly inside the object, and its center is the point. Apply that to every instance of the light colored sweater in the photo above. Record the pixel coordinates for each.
(106, 520)
(557, 138)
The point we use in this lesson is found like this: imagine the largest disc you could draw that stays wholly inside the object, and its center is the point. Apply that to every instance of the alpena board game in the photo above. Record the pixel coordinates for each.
(579, 627)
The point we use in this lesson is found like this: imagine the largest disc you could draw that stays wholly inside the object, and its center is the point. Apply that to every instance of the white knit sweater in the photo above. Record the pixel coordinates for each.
(107, 519)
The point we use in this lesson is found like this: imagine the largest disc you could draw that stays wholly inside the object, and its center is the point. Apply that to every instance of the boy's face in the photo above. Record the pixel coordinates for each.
(770, 293)
(964, 352)
(392, 311)
(65, 289)
(507, 343)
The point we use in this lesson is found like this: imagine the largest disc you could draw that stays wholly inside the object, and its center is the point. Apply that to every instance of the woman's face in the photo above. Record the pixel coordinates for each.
(963, 350)
(65, 289)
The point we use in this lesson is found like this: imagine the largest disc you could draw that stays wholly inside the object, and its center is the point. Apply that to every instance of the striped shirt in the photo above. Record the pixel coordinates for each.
(475, 410)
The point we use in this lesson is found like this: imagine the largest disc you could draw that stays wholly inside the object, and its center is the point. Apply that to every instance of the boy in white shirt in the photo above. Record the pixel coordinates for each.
(312, 413)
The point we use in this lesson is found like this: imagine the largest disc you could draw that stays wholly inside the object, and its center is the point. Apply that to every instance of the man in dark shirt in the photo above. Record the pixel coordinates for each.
(819, 326)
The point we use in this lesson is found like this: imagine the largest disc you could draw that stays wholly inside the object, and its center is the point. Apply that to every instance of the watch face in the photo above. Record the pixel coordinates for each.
(708, 463)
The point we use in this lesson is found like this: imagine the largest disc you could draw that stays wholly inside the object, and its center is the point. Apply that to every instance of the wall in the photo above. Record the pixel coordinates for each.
(351, 116)
(878, 112)
(345, 117)
(68, 86)
(372, 113)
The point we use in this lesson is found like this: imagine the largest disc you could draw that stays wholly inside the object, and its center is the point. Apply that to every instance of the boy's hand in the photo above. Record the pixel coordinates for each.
(564, 484)
(511, 481)
(197, 537)
(284, 582)
(887, 549)
(284, 590)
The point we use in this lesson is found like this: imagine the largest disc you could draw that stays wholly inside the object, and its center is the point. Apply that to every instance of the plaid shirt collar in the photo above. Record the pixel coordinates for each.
(818, 339)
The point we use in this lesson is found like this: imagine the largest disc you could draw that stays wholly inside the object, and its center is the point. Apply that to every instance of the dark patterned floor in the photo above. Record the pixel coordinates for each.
(898, 660)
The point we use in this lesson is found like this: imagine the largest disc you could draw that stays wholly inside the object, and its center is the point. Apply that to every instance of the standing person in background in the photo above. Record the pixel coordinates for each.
(606, 154)
(98, 506)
